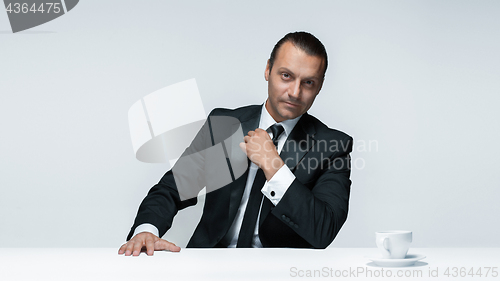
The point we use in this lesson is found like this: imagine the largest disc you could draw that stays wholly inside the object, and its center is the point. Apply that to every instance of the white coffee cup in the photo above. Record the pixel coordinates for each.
(393, 244)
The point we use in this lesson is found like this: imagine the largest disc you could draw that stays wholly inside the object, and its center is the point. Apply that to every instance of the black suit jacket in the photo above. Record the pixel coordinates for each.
(309, 215)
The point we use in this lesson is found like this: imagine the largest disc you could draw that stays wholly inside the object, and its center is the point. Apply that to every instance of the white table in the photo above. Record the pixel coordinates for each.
(239, 264)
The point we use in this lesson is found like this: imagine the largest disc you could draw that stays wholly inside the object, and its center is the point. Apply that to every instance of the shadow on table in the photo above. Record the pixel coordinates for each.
(417, 264)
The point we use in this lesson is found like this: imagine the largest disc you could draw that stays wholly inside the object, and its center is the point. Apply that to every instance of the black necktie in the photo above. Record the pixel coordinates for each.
(245, 236)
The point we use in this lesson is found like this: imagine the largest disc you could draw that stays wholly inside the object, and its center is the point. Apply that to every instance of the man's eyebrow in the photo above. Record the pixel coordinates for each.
(286, 70)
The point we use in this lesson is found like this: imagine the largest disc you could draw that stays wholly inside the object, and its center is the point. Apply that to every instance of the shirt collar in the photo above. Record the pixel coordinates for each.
(266, 120)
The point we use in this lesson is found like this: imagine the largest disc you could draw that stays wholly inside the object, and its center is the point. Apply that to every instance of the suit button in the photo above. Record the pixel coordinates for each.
(296, 226)
(291, 223)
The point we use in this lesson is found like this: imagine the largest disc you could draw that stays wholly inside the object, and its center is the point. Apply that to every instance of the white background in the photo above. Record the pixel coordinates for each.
(419, 79)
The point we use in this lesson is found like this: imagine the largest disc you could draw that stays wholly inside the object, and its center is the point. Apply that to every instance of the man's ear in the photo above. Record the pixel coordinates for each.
(266, 73)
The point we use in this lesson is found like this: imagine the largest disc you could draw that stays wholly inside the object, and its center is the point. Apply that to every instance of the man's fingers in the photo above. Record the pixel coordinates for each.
(146, 243)
(165, 245)
(150, 246)
(243, 147)
(122, 249)
(129, 248)
(137, 247)
(174, 248)
(160, 245)
(261, 132)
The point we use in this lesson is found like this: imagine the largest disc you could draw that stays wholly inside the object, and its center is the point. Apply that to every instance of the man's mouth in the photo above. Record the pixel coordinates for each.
(292, 104)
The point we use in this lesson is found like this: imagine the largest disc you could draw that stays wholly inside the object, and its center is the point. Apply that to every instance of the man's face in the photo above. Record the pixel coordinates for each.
(294, 82)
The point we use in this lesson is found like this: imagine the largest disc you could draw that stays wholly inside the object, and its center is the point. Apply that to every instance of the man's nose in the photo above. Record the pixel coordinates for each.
(294, 90)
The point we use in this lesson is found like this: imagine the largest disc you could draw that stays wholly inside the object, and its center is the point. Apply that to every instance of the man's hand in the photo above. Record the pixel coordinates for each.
(260, 149)
(146, 242)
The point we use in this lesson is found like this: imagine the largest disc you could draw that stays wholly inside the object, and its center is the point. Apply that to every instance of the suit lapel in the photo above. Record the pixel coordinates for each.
(299, 142)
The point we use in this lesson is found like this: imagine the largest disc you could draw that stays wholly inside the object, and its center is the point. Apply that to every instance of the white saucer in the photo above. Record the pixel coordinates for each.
(408, 261)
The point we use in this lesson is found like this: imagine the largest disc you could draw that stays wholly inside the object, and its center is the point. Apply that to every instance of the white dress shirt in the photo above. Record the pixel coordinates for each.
(279, 183)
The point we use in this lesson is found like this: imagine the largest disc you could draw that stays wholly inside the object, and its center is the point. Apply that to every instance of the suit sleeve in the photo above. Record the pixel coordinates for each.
(317, 209)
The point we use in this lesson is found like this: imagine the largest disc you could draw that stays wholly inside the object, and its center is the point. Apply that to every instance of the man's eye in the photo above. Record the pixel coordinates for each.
(285, 75)
(309, 83)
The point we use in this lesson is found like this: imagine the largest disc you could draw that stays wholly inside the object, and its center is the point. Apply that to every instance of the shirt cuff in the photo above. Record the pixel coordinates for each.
(275, 188)
(146, 227)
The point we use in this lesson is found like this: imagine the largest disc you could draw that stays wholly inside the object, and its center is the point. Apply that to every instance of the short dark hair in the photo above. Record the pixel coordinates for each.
(304, 41)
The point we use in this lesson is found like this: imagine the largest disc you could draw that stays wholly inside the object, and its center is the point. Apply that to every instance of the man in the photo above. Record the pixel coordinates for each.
(295, 192)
